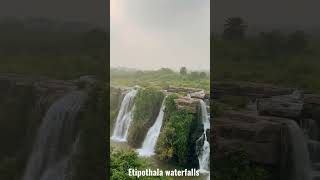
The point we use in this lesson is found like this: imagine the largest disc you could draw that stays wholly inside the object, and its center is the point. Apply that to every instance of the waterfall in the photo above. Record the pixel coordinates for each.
(301, 164)
(204, 152)
(151, 138)
(124, 117)
(55, 139)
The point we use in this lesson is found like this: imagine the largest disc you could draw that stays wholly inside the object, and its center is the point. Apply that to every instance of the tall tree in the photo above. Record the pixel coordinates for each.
(234, 28)
(183, 71)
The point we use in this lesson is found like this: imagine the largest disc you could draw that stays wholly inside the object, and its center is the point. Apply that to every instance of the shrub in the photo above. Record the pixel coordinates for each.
(122, 161)
(236, 165)
(173, 142)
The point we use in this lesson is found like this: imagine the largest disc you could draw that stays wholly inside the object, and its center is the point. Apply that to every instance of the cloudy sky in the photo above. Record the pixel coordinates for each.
(150, 34)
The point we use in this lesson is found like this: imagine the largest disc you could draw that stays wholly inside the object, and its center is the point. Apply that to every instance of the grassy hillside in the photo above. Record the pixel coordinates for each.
(160, 78)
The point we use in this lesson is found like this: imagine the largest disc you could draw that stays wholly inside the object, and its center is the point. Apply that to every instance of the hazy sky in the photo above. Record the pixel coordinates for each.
(150, 34)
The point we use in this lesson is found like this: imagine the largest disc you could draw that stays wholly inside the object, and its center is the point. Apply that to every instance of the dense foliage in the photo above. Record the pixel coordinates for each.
(121, 161)
(236, 165)
(173, 143)
(146, 109)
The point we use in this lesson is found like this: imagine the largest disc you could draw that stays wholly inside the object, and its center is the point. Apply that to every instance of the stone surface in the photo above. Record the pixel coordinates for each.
(289, 106)
(198, 95)
(258, 135)
(251, 90)
(187, 103)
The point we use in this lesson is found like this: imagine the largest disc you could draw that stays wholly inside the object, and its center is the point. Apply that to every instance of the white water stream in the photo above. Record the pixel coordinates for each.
(151, 138)
(53, 145)
(124, 117)
(204, 154)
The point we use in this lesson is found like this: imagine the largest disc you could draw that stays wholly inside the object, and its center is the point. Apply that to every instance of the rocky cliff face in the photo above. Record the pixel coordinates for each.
(264, 123)
(23, 103)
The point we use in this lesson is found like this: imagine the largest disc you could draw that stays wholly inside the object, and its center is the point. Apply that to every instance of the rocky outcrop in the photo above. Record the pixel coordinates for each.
(274, 129)
(258, 135)
(249, 89)
(187, 103)
(289, 106)
(23, 102)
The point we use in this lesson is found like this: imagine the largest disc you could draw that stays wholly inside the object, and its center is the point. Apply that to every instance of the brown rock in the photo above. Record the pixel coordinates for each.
(289, 106)
(258, 135)
(187, 103)
(249, 89)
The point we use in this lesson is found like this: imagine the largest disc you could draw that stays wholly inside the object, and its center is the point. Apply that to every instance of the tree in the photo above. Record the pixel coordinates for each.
(183, 71)
(234, 28)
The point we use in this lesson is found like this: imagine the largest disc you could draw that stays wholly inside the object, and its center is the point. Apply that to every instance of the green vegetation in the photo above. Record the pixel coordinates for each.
(161, 78)
(147, 106)
(235, 165)
(121, 161)
(173, 143)
(275, 57)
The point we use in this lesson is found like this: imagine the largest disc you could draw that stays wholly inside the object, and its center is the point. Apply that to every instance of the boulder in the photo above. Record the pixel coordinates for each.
(187, 103)
(198, 95)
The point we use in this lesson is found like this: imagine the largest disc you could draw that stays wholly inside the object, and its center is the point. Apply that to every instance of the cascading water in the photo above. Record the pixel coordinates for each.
(151, 138)
(301, 164)
(204, 152)
(124, 117)
(55, 138)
